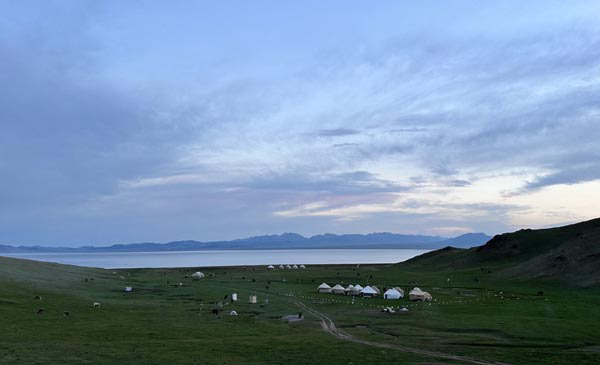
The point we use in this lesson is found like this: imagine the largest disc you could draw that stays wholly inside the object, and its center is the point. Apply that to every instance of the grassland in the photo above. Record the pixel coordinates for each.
(475, 314)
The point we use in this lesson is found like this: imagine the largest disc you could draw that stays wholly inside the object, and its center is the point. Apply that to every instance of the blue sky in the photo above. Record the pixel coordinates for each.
(149, 121)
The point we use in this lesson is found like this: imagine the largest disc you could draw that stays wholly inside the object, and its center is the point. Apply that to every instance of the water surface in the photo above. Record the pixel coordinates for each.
(110, 260)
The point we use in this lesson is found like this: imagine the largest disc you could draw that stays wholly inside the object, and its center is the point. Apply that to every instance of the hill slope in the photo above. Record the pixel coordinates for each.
(570, 253)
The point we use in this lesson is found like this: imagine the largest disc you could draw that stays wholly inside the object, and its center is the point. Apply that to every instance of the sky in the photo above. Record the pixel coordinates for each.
(159, 121)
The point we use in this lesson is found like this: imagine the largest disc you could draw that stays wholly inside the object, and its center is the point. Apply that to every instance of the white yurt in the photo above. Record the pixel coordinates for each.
(295, 267)
(400, 290)
(352, 290)
(324, 288)
(270, 267)
(358, 287)
(367, 291)
(288, 266)
(392, 294)
(419, 295)
(376, 289)
(302, 266)
(281, 267)
(338, 289)
(197, 275)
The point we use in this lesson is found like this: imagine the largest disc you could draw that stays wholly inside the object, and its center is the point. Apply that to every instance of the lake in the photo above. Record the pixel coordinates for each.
(110, 260)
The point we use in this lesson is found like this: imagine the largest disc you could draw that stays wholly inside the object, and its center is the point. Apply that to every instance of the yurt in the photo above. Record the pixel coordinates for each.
(419, 295)
(376, 289)
(270, 267)
(295, 267)
(281, 267)
(302, 266)
(324, 288)
(400, 290)
(358, 287)
(338, 289)
(128, 289)
(288, 266)
(197, 275)
(392, 294)
(368, 292)
(352, 290)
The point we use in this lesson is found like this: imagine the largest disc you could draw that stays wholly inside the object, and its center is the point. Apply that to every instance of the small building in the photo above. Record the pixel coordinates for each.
(253, 299)
(368, 292)
(392, 294)
(338, 289)
(324, 288)
(270, 267)
(197, 275)
(234, 297)
(358, 287)
(419, 295)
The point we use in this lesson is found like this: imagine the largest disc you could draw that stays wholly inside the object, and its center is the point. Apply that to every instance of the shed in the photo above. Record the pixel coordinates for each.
(324, 288)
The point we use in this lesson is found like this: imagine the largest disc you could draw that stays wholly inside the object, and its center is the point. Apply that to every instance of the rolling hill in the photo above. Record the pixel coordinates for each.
(568, 254)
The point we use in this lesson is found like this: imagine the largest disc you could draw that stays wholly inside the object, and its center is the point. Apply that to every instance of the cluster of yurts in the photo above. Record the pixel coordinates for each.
(271, 267)
(371, 291)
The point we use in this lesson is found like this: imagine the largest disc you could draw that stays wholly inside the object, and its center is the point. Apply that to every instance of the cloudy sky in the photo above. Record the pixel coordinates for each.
(159, 121)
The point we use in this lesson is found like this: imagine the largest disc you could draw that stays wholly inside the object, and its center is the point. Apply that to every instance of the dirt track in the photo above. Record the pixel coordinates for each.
(329, 326)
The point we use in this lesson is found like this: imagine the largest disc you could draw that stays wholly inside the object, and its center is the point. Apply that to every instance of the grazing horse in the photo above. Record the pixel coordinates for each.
(39, 311)
(66, 313)
(37, 297)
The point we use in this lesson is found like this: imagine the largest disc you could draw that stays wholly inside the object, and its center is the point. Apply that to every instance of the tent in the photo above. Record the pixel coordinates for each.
(400, 290)
(295, 267)
(233, 313)
(324, 288)
(197, 275)
(392, 294)
(368, 292)
(419, 295)
(338, 289)
(302, 266)
(270, 267)
(352, 290)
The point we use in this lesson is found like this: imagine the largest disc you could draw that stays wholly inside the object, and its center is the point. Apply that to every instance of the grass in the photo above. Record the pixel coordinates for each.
(161, 322)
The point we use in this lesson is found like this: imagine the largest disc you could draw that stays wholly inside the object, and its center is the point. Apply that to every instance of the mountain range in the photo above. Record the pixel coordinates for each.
(282, 241)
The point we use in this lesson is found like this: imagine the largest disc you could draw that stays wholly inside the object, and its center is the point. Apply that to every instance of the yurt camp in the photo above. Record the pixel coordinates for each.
(324, 288)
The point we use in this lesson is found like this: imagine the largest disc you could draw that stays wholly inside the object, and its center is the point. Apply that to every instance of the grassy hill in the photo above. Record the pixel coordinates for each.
(569, 254)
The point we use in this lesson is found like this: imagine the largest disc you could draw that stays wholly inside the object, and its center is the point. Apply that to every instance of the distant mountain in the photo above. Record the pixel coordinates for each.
(282, 241)
(570, 254)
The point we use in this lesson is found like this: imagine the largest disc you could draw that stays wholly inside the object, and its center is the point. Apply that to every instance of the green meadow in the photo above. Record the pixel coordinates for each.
(474, 318)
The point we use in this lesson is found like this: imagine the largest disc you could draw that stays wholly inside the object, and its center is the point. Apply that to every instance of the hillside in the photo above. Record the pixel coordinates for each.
(570, 254)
